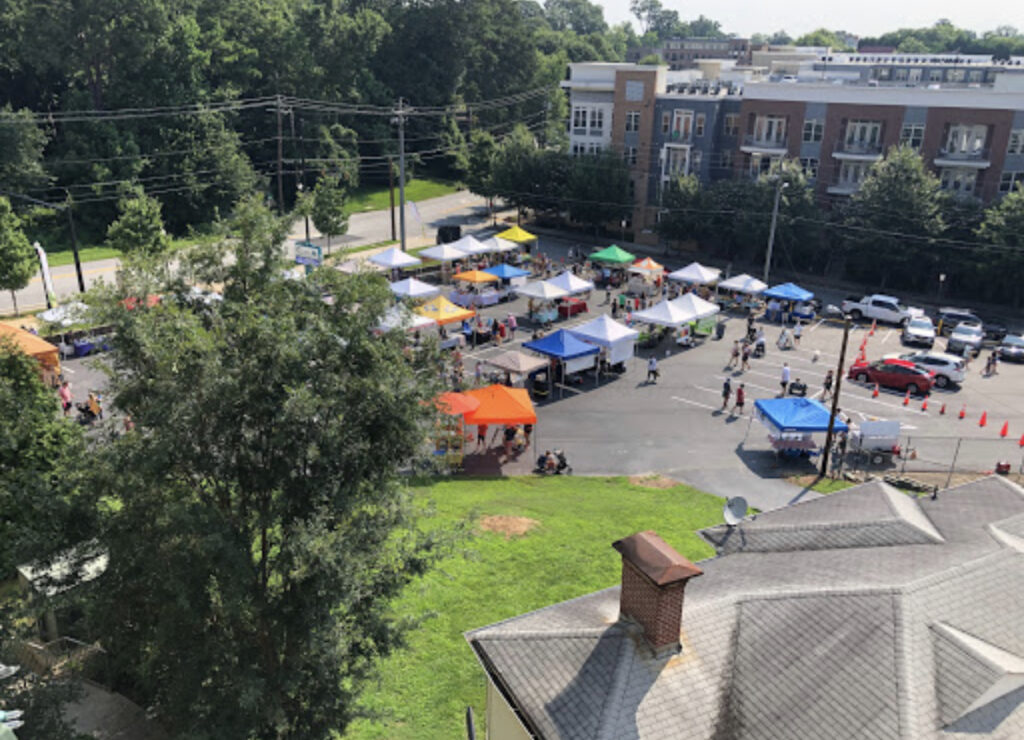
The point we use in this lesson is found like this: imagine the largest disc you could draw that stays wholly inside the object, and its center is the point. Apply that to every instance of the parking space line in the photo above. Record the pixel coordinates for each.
(887, 336)
(694, 403)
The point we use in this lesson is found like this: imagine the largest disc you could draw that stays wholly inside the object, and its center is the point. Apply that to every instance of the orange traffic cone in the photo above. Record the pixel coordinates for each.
(924, 404)
(906, 399)
(864, 344)
(984, 419)
(874, 323)
(874, 393)
(942, 410)
(1021, 443)
(963, 411)
(1005, 430)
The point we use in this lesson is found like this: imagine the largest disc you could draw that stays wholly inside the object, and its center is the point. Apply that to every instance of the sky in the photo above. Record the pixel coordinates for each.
(862, 17)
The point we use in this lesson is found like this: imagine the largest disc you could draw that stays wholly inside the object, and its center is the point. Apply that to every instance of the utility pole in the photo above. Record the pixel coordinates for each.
(300, 176)
(280, 159)
(391, 191)
(835, 398)
(779, 187)
(400, 120)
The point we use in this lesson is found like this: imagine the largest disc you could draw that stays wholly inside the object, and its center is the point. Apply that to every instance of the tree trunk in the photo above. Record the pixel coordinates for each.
(14, 298)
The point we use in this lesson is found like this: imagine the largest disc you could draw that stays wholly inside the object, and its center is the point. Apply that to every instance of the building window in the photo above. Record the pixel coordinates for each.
(579, 120)
(809, 165)
(634, 91)
(682, 125)
(813, 130)
(959, 180)
(1016, 145)
(863, 134)
(912, 135)
(731, 126)
(696, 157)
(966, 139)
(698, 129)
(632, 121)
(901, 74)
(1010, 181)
(629, 155)
(852, 174)
(770, 130)
(762, 164)
(593, 148)
(957, 75)
(596, 120)
(935, 75)
(578, 149)
(632, 190)
(666, 122)
(727, 160)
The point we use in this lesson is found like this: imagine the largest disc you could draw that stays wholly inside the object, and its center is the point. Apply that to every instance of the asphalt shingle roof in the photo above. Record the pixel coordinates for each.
(864, 614)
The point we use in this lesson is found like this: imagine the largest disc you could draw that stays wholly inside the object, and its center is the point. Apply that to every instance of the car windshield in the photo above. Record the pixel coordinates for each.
(971, 331)
(921, 324)
(1014, 341)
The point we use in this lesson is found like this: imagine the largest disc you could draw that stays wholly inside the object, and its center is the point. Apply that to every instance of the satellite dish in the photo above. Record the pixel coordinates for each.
(735, 510)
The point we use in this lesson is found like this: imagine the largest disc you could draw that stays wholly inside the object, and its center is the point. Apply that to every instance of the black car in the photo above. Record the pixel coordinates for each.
(950, 317)
(1011, 348)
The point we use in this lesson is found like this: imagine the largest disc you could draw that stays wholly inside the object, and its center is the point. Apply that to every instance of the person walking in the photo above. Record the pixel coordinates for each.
(747, 351)
(512, 326)
(826, 387)
(726, 393)
(608, 295)
(478, 373)
(784, 381)
(65, 397)
(798, 331)
(652, 370)
(741, 399)
(481, 435)
(734, 358)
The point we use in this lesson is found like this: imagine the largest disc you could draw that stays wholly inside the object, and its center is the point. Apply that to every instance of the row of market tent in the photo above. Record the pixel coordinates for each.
(468, 246)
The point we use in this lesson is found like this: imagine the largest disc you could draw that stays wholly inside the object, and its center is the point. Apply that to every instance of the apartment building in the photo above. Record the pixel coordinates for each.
(971, 136)
(685, 53)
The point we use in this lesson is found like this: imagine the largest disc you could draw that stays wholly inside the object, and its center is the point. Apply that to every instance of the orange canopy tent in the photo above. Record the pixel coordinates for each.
(456, 404)
(646, 265)
(500, 404)
(33, 346)
(475, 276)
(444, 311)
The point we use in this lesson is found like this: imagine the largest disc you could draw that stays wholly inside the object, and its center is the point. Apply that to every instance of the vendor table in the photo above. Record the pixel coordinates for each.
(571, 307)
(544, 315)
(489, 298)
(465, 300)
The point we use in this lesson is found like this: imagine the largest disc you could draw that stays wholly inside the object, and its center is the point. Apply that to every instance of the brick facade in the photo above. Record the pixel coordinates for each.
(657, 609)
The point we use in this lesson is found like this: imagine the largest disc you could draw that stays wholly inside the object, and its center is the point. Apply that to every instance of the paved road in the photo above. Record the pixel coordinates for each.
(422, 219)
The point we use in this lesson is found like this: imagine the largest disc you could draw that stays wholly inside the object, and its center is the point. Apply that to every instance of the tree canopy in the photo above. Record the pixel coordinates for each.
(17, 257)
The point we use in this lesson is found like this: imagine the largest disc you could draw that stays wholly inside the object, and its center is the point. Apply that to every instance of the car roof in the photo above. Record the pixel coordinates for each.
(946, 356)
(898, 361)
(963, 325)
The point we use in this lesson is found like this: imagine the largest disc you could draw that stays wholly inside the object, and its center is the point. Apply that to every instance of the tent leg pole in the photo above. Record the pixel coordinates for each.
(747, 433)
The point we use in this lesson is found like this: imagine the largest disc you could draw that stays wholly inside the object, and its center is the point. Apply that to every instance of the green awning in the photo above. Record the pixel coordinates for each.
(614, 254)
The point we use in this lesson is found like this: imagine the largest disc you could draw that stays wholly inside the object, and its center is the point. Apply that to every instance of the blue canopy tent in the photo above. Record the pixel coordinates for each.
(573, 353)
(788, 292)
(792, 420)
(506, 271)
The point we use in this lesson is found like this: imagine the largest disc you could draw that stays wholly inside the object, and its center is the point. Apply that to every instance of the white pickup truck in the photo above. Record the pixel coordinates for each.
(879, 308)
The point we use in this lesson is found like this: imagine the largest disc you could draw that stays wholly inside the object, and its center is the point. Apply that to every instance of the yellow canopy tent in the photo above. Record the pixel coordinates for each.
(444, 311)
(475, 276)
(47, 354)
(517, 235)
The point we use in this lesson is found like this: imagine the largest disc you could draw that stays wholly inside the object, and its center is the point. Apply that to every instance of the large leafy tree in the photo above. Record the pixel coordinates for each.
(139, 230)
(1003, 227)
(683, 203)
(581, 16)
(21, 151)
(17, 258)
(597, 191)
(261, 528)
(483, 151)
(328, 208)
(891, 223)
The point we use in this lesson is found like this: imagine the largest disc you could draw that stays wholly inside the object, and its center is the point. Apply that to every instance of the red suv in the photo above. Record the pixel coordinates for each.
(893, 373)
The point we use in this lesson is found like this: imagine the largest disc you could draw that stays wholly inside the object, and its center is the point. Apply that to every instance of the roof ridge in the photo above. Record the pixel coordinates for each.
(616, 690)
(515, 618)
(908, 510)
(563, 634)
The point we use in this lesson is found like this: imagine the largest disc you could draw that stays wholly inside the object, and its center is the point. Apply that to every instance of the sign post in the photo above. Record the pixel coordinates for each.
(309, 254)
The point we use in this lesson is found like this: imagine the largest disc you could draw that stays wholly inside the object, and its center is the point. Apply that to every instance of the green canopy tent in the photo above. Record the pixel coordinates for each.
(613, 255)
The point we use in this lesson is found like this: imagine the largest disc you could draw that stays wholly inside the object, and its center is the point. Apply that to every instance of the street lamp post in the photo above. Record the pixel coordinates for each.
(780, 185)
(942, 280)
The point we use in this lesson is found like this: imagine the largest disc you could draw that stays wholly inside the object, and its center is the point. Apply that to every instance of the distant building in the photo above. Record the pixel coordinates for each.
(862, 614)
(684, 53)
(837, 116)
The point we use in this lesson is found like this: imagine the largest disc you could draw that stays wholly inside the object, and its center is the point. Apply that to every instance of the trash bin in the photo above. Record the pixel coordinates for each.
(719, 330)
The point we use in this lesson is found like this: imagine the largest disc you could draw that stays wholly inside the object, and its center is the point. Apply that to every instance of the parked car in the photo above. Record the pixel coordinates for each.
(1012, 348)
(894, 373)
(880, 308)
(950, 318)
(945, 368)
(919, 330)
(966, 337)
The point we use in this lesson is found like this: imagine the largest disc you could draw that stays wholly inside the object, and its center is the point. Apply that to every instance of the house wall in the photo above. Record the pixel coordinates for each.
(643, 85)
(999, 123)
(502, 722)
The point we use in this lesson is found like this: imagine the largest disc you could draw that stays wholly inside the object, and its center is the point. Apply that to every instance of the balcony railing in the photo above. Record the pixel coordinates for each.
(973, 155)
(680, 136)
(865, 148)
(761, 142)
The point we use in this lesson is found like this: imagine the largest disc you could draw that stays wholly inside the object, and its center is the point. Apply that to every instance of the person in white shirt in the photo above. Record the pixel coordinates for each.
(785, 377)
(652, 370)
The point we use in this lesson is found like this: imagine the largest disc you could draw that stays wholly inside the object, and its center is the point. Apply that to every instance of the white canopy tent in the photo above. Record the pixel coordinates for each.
(696, 273)
(471, 245)
(743, 284)
(695, 307)
(399, 317)
(496, 244)
(354, 265)
(443, 253)
(666, 313)
(66, 314)
(413, 288)
(542, 290)
(570, 283)
(395, 257)
(604, 331)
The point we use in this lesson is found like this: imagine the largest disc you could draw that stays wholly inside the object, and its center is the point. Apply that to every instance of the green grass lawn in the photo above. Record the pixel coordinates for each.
(377, 197)
(89, 254)
(424, 690)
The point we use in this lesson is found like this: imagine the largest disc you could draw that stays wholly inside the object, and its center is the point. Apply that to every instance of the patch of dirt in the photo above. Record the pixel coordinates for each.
(652, 481)
(510, 526)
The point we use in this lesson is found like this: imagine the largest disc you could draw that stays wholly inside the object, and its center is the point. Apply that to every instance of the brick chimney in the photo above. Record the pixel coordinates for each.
(653, 578)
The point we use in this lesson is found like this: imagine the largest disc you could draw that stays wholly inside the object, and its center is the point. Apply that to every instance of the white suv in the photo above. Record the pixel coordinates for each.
(946, 367)
(919, 330)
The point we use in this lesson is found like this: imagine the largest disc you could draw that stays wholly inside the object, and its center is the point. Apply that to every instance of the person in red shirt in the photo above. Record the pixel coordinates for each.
(741, 398)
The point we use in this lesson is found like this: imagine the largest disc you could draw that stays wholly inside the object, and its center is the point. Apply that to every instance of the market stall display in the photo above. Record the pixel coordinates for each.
(395, 258)
(613, 255)
(518, 235)
(413, 288)
(665, 313)
(795, 300)
(569, 307)
(46, 354)
(450, 440)
(476, 295)
(508, 274)
(471, 245)
(443, 311)
(542, 296)
(573, 354)
(570, 283)
(698, 313)
(400, 317)
(443, 253)
(696, 274)
(792, 422)
(516, 363)
(647, 266)
(617, 340)
(500, 404)
(743, 283)
(499, 245)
